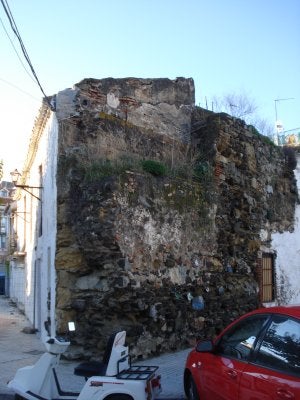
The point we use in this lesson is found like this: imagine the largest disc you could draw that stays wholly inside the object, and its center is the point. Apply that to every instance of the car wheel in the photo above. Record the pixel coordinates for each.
(191, 390)
(118, 397)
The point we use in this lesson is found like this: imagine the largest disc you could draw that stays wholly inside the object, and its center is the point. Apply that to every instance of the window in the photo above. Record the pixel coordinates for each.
(2, 242)
(3, 193)
(280, 348)
(240, 340)
(268, 281)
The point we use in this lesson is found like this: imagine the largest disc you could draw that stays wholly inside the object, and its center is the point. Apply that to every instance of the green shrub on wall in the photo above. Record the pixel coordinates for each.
(155, 168)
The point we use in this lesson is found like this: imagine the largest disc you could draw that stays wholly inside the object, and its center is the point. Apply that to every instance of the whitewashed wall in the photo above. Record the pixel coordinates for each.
(16, 281)
(36, 288)
(43, 257)
(33, 277)
(287, 247)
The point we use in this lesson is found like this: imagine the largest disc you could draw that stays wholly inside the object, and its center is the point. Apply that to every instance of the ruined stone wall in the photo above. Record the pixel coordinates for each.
(162, 106)
(255, 185)
(168, 257)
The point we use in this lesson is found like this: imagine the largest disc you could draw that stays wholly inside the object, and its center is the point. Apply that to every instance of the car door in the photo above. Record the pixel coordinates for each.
(274, 373)
(221, 372)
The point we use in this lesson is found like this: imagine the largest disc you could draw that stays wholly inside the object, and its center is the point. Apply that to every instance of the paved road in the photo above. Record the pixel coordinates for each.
(18, 349)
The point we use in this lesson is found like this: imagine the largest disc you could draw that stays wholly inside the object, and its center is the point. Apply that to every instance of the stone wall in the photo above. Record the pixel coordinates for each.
(162, 106)
(256, 187)
(168, 257)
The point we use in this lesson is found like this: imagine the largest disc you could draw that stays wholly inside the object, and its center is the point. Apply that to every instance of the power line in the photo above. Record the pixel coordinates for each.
(21, 90)
(290, 130)
(9, 38)
(24, 51)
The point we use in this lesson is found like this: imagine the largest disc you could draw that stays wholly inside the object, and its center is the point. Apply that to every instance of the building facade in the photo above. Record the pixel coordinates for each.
(33, 216)
(286, 246)
(6, 193)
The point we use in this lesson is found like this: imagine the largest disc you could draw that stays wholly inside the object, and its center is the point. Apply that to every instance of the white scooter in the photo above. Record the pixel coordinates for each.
(113, 379)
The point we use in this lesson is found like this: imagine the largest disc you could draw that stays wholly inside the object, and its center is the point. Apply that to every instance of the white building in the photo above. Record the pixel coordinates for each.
(32, 283)
(6, 189)
(287, 263)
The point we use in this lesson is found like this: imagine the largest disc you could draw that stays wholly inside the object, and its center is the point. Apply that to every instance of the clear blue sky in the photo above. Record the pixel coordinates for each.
(224, 45)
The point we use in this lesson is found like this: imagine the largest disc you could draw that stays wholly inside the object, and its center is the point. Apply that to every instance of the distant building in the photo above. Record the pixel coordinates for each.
(31, 227)
(289, 138)
(6, 192)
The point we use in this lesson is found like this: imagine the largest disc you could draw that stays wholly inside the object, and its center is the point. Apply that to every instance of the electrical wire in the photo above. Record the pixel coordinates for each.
(21, 90)
(11, 42)
(24, 51)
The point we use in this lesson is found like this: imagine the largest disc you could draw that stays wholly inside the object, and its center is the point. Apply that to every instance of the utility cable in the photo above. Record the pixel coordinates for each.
(290, 130)
(9, 38)
(21, 90)
(24, 51)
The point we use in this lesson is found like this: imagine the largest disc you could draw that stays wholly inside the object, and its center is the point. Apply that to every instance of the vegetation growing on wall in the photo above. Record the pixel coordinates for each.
(188, 185)
(264, 138)
(199, 171)
(155, 168)
(104, 168)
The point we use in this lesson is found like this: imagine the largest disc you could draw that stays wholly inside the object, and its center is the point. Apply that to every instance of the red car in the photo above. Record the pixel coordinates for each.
(257, 357)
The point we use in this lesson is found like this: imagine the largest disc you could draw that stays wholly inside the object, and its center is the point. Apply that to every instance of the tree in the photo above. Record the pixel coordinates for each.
(241, 105)
(263, 126)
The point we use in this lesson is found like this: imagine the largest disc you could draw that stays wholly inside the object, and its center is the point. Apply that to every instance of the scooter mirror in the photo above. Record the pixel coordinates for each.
(71, 326)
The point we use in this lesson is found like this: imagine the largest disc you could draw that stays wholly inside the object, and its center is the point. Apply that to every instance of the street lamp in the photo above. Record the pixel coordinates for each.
(15, 175)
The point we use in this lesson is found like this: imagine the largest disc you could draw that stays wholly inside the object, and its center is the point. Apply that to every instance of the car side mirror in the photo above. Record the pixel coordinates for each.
(205, 346)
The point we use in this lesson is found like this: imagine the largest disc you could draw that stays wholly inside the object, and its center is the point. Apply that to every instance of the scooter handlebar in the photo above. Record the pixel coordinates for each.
(57, 345)
(58, 340)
